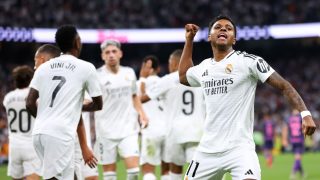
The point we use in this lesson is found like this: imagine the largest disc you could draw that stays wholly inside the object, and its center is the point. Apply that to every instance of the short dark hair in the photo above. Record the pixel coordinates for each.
(154, 59)
(65, 37)
(177, 53)
(54, 51)
(22, 76)
(222, 17)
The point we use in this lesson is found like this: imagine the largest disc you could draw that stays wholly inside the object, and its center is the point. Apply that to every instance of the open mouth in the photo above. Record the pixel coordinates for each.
(222, 36)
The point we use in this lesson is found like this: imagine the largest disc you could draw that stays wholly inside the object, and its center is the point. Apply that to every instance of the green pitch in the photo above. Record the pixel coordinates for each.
(280, 171)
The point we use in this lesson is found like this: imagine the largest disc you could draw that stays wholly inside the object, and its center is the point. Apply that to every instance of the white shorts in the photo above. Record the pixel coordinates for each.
(86, 171)
(56, 156)
(23, 161)
(153, 150)
(239, 162)
(106, 149)
(180, 154)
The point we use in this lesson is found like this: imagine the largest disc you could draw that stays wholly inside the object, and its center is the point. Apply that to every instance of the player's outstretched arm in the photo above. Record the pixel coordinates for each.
(94, 105)
(31, 102)
(87, 154)
(275, 80)
(186, 57)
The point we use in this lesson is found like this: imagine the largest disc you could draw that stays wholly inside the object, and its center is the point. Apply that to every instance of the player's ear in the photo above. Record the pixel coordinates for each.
(121, 54)
(209, 36)
(234, 41)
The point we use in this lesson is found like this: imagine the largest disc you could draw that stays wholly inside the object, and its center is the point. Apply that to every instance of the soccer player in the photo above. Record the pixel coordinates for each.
(60, 85)
(23, 160)
(116, 124)
(153, 138)
(82, 170)
(229, 79)
(184, 109)
(293, 128)
(269, 135)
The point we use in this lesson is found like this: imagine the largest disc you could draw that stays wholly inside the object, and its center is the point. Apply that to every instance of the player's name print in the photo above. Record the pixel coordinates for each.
(59, 65)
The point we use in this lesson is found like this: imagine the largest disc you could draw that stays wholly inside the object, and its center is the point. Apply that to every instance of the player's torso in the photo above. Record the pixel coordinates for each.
(268, 129)
(20, 122)
(295, 129)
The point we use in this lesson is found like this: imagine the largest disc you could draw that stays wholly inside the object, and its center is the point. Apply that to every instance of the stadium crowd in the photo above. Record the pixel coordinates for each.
(153, 13)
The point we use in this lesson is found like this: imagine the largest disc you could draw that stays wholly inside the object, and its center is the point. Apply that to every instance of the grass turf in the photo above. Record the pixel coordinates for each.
(279, 171)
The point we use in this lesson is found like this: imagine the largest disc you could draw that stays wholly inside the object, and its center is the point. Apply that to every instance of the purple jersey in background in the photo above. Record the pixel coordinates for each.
(295, 129)
(268, 129)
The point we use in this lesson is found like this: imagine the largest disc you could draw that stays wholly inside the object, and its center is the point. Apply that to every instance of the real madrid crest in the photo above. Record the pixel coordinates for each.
(229, 68)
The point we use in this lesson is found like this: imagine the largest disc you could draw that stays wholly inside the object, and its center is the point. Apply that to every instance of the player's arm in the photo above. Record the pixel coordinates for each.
(31, 102)
(94, 105)
(275, 80)
(186, 57)
(87, 154)
(143, 119)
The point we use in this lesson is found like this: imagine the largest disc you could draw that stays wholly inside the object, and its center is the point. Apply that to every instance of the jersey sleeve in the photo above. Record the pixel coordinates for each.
(92, 83)
(259, 68)
(134, 83)
(162, 86)
(35, 82)
(193, 76)
(5, 101)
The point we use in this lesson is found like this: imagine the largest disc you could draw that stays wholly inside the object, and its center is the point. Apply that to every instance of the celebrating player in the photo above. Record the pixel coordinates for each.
(60, 84)
(116, 124)
(21, 164)
(229, 81)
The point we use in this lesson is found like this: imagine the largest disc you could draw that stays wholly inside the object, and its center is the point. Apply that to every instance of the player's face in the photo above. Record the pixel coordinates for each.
(222, 33)
(40, 58)
(173, 64)
(111, 55)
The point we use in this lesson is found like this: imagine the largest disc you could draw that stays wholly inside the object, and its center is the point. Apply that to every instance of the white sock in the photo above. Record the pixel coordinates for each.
(133, 173)
(149, 176)
(165, 177)
(109, 175)
(174, 176)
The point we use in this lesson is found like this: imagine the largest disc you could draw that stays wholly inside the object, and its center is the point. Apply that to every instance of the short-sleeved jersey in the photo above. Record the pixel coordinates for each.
(295, 129)
(268, 129)
(61, 83)
(184, 108)
(20, 122)
(229, 88)
(154, 111)
(117, 119)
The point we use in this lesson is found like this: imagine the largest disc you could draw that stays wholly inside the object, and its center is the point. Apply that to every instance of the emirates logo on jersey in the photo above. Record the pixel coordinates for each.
(229, 68)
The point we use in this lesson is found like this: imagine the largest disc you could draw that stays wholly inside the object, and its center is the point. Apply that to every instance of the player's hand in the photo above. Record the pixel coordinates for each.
(308, 126)
(146, 69)
(89, 158)
(143, 120)
(191, 31)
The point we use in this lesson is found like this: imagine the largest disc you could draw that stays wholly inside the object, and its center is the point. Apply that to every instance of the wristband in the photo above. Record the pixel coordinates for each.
(142, 79)
(305, 113)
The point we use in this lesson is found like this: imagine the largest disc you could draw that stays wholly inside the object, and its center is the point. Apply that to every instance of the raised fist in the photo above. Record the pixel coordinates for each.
(191, 30)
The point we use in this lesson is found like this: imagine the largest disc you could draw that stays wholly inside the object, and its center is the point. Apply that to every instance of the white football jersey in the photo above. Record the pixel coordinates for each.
(20, 122)
(61, 83)
(154, 111)
(184, 108)
(86, 122)
(117, 118)
(229, 88)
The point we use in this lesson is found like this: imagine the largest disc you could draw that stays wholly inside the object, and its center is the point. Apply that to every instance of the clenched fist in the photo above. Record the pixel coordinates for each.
(191, 30)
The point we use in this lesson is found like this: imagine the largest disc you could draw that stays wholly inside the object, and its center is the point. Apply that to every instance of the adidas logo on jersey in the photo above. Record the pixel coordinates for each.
(249, 172)
(205, 73)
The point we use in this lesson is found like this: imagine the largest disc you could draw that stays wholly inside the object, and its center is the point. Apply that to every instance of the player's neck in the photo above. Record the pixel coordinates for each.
(220, 54)
(113, 69)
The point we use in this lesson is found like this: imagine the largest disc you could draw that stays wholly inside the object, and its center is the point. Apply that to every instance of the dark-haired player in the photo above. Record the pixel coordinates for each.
(292, 131)
(82, 144)
(21, 164)
(60, 85)
(229, 79)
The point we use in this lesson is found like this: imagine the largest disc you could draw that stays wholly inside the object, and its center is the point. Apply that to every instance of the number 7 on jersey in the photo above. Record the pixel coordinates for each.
(56, 90)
